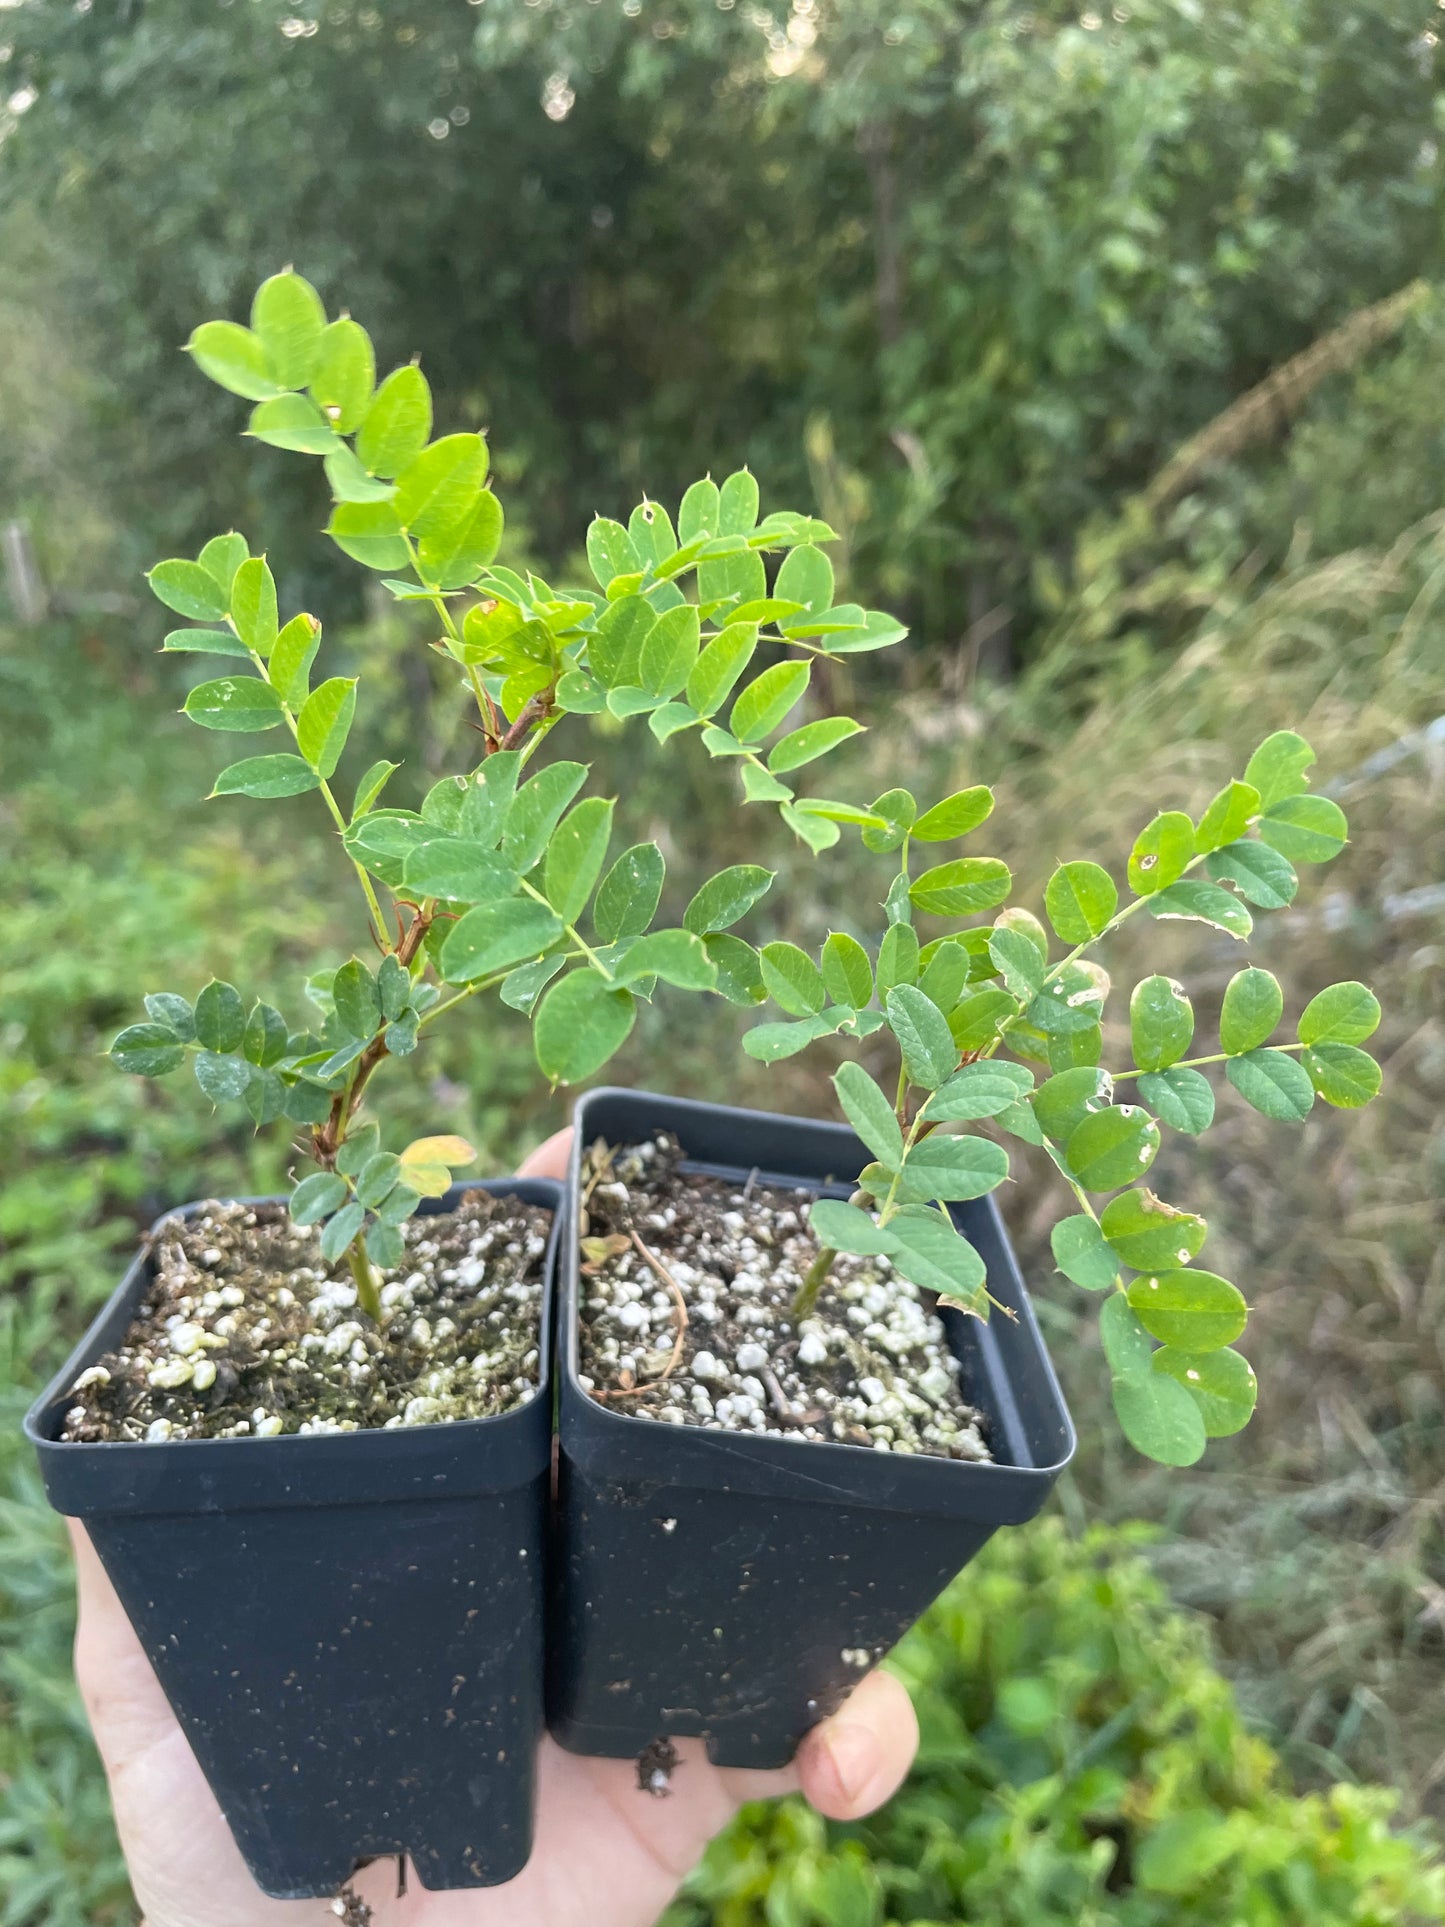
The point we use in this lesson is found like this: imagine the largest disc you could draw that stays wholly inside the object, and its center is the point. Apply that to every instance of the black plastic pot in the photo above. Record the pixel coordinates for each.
(349, 1627)
(734, 1587)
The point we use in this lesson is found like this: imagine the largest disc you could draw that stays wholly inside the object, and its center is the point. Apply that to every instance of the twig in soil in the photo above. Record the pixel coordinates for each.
(778, 1400)
(651, 1258)
(748, 1187)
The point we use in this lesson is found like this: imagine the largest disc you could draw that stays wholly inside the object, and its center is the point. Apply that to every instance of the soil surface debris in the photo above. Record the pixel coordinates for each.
(688, 1282)
(246, 1331)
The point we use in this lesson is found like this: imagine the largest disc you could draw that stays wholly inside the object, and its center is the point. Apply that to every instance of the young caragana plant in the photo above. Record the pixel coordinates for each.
(999, 1026)
(500, 881)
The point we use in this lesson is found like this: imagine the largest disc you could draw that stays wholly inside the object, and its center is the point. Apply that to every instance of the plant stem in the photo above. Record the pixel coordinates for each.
(368, 1288)
(813, 1282)
(584, 948)
(1192, 1063)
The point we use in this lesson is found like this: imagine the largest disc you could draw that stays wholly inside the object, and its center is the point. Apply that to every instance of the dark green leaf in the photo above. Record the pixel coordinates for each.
(1062, 1103)
(1277, 768)
(1261, 875)
(725, 898)
(870, 1113)
(384, 1244)
(929, 1052)
(1276, 1085)
(203, 642)
(317, 1197)
(220, 1017)
(338, 1232)
(954, 1168)
(580, 1024)
(978, 1091)
(243, 704)
(264, 1039)
(1183, 1099)
(676, 956)
(975, 1022)
(1203, 903)
(1161, 1023)
(173, 1013)
(358, 1005)
(1017, 957)
(1343, 1076)
(1306, 829)
(377, 1178)
(147, 1050)
(1147, 1233)
(628, 895)
(897, 957)
(575, 856)
(1253, 1005)
(739, 969)
(222, 1078)
(847, 973)
(945, 975)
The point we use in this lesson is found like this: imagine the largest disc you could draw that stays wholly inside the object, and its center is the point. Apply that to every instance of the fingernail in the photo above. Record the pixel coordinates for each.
(852, 1755)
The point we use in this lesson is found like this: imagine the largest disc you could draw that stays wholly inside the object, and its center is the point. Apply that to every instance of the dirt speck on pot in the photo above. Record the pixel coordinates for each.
(688, 1282)
(245, 1331)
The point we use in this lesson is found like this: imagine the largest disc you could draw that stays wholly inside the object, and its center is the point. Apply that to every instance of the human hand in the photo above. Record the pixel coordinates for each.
(606, 1854)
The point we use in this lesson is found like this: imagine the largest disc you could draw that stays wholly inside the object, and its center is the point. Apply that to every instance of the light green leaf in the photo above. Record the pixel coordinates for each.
(1253, 1005)
(338, 1232)
(580, 1023)
(813, 740)
(1162, 853)
(357, 1000)
(325, 722)
(1147, 1233)
(369, 533)
(962, 888)
(253, 605)
(609, 551)
(293, 422)
(291, 659)
(1276, 1085)
(767, 699)
(978, 1091)
(954, 1168)
(536, 810)
(896, 811)
(1017, 956)
(1261, 875)
(488, 799)
(1183, 1099)
(288, 318)
(222, 556)
(1346, 1013)
(669, 652)
(349, 481)
(1197, 1311)
(437, 489)
(628, 896)
(234, 358)
(760, 787)
(371, 785)
(868, 1110)
(945, 975)
(769, 1043)
(1227, 818)
(1221, 1383)
(843, 1227)
(1158, 1417)
(455, 555)
(1203, 903)
(1112, 1147)
(650, 527)
(497, 936)
(929, 1052)
(394, 429)
(1277, 768)
(726, 898)
(266, 776)
(717, 669)
(189, 589)
(739, 971)
(241, 703)
(1161, 1023)
(793, 980)
(457, 870)
(806, 576)
(344, 375)
(1081, 1253)
(1343, 1076)
(1126, 1343)
(1305, 829)
(701, 507)
(956, 815)
(203, 642)
(317, 1197)
(847, 973)
(738, 504)
(574, 861)
(676, 956)
(975, 1022)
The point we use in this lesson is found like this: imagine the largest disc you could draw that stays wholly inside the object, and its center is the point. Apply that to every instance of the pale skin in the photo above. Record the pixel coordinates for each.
(606, 1854)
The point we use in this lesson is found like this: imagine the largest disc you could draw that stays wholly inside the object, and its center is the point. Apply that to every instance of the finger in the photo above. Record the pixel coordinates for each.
(549, 1160)
(128, 1712)
(859, 1758)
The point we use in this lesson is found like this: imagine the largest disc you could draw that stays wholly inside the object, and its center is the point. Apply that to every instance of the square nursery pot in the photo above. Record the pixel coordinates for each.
(348, 1627)
(734, 1587)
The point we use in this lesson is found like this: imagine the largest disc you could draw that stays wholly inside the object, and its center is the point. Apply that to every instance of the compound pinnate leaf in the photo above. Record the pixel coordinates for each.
(1163, 852)
(234, 358)
(1221, 1383)
(628, 896)
(845, 1228)
(962, 888)
(220, 1017)
(1305, 829)
(325, 722)
(189, 589)
(1260, 874)
(1342, 1075)
(1161, 1023)
(496, 937)
(1158, 1417)
(575, 856)
(288, 318)
(1182, 1099)
(726, 897)
(266, 776)
(580, 1023)
(1080, 900)
(317, 1197)
(847, 973)
(394, 429)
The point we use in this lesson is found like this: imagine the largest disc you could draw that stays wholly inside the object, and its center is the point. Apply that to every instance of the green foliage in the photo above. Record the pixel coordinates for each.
(1081, 1761)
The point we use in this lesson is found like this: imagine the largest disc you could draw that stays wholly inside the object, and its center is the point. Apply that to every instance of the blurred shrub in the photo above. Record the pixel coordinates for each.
(1082, 1764)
